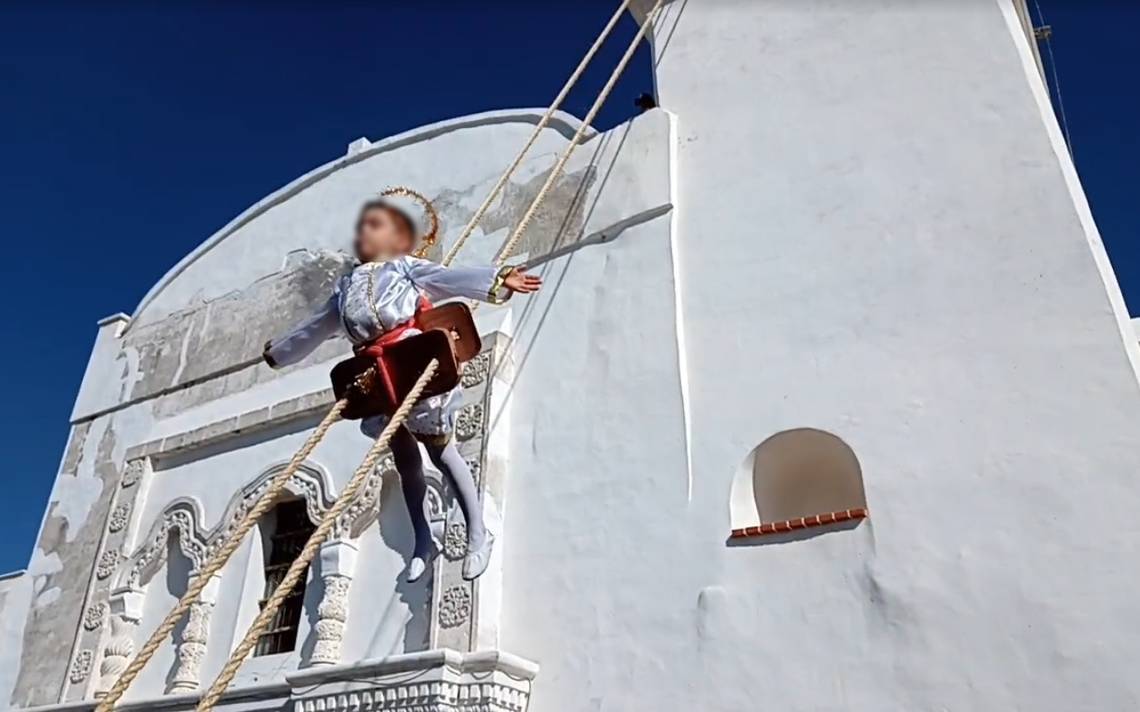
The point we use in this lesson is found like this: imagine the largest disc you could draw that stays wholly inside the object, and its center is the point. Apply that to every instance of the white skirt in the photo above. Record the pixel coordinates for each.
(432, 418)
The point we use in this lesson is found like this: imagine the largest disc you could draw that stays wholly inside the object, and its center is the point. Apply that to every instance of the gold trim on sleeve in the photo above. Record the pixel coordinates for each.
(499, 285)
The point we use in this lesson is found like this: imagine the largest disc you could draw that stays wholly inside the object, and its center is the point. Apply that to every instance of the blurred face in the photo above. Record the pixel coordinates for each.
(382, 233)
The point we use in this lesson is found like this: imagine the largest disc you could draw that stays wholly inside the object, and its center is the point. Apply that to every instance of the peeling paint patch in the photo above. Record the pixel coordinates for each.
(75, 495)
(48, 597)
(41, 567)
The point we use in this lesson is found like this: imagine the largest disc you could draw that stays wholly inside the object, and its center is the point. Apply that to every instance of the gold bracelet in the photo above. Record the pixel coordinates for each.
(497, 286)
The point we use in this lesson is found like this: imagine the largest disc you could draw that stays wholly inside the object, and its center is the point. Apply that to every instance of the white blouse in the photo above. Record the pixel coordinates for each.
(379, 296)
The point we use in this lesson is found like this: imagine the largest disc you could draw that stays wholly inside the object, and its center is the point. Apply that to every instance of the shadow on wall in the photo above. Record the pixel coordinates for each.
(797, 484)
(567, 233)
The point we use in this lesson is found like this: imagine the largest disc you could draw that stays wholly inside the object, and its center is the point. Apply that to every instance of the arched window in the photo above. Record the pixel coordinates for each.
(285, 530)
(797, 479)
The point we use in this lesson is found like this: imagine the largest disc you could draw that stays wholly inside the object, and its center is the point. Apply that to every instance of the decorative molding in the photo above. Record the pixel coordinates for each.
(455, 607)
(456, 603)
(94, 615)
(192, 648)
(469, 423)
(184, 516)
(440, 680)
(434, 697)
(332, 614)
(337, 564)
(475, 371)
(81, 666)
(181, 517)
(107, 564)
(117, 653)
(195, 635)
(455, 540)
(366, 506)
(221, 430)
(120, 517)
(132, 473)
(309, 481)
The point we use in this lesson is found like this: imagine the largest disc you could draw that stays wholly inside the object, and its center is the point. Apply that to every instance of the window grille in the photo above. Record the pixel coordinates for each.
(291, 529)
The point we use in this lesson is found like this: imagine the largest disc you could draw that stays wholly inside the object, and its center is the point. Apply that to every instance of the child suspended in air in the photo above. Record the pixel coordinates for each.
(379, 299)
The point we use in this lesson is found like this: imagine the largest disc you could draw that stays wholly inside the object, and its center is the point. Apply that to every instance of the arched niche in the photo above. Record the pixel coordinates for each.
(797, 479)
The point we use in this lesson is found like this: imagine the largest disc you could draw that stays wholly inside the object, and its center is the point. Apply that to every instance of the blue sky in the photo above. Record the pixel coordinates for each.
(130, 132)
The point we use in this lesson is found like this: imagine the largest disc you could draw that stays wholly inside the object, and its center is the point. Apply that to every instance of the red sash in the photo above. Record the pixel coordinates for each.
(375, 349)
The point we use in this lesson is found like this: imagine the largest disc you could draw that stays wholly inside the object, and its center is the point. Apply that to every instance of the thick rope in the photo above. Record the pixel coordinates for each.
(219, 558)
(478, 216)
(512, 241)
(300, 565)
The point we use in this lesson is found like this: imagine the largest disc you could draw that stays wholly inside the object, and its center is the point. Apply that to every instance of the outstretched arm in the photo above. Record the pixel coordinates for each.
(488, 284)
(304, 338)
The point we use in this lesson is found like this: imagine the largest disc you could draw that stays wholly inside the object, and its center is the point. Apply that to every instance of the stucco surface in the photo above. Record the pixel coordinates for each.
(876, 237)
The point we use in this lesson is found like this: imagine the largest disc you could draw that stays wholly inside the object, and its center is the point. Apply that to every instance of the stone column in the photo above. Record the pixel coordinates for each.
(126, 607)
(337, 563)
(194, 639)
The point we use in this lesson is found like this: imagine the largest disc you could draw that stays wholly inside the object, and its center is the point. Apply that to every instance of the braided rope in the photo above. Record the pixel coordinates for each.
(218, 559)
(512, 241)
(300, 565)
(502, 182)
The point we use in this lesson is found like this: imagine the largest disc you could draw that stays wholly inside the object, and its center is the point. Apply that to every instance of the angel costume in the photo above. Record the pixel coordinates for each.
(377, 299)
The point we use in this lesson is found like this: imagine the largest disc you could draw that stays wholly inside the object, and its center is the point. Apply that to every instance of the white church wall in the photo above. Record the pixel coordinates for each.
(877, 237)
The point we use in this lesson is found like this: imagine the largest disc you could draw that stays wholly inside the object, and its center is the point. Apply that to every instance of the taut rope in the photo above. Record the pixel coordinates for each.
(502, 182)
(513, 240)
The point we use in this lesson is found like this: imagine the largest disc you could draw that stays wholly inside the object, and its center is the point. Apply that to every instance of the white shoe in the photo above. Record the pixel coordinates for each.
(476, 561)
(419, 565)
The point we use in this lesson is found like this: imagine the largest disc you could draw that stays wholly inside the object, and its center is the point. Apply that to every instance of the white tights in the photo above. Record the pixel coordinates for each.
(406, 452)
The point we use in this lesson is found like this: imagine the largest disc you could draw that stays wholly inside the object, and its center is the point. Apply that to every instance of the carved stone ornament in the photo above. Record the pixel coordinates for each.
(182, 518)
(475, 371)
(469, 424)
(302, 483)
(132, 473)
(119, 517)
(117, 653)
(455, 607)
(192, 649)
(94, 615)
(455, 541)
(473, 694)
(332, 614)
(107, 564)
(190, 542)
(368, 503)
(81, 666)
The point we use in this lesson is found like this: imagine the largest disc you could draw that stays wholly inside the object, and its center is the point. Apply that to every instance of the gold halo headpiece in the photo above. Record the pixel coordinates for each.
(419, 212)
